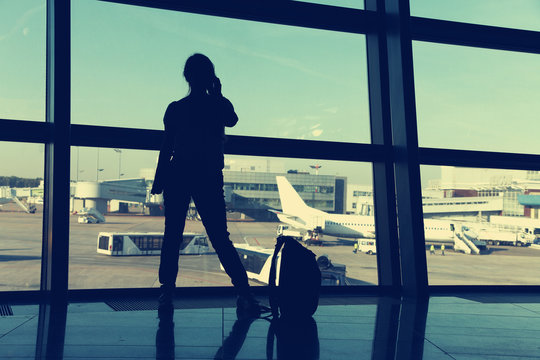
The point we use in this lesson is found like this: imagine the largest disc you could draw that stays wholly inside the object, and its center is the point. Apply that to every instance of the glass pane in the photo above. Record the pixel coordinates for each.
(476, 99)
(521, 14)
(284, 81)
(108, 191)
(488, 222)
(22, 60)
(21, 215)
(123, 250)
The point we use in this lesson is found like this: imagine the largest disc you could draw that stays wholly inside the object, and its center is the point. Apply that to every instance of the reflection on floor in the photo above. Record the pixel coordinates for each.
(446, 327)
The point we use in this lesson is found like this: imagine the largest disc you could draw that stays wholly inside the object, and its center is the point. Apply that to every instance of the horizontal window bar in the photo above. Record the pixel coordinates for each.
(308, 149)
(293, 13)
(114, 137)
(25, 131)
(482, 159)
(490, 37)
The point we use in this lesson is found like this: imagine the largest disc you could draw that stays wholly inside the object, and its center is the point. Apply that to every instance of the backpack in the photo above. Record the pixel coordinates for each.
(297, 294)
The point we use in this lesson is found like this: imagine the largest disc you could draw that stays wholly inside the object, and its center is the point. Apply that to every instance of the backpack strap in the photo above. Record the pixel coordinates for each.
(272, 278)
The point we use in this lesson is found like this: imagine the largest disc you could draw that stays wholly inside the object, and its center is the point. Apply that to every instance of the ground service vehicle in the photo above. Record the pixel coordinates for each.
(286, 230)
(367, 246)
(90, 216)
(501, 237)
(118, 244)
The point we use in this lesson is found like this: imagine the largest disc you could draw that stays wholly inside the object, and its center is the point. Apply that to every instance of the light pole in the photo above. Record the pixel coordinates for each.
(97, 166)
(316, 167)
(77, 176)
(119, 162)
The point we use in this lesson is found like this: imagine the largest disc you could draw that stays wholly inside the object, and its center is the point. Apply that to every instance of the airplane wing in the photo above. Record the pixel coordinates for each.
(292, 220)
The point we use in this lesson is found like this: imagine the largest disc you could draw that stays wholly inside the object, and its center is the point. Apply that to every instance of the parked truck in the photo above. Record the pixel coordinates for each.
(286, 230)
(502, 237)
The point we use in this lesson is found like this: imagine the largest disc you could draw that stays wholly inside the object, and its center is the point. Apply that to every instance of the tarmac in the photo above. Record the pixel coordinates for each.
(21, 238)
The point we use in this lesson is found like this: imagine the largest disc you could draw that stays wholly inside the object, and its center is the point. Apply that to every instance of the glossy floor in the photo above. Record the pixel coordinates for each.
(445, 327)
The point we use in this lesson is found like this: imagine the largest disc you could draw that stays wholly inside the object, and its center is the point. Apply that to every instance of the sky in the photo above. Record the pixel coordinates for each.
(284, 81)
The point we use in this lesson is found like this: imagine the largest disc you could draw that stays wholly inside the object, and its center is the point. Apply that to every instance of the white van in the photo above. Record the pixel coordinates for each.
(367, 246)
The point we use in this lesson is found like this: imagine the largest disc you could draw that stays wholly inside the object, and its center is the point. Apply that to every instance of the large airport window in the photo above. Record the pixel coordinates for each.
(521, 14)
(488, 222)
(117, 226)
(476, 99)
(284, 81)
(21, 215)
(22, 60)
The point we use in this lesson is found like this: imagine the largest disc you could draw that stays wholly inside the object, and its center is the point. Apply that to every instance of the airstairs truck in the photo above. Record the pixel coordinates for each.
(90, 216)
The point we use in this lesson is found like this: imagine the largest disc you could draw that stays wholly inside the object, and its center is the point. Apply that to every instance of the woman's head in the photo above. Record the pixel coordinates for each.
(199, 71)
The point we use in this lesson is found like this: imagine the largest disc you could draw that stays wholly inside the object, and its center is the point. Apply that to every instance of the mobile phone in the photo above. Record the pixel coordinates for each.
(216, 86)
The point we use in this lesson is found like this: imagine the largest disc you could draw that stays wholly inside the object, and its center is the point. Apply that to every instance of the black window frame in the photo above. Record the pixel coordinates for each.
(394, 152)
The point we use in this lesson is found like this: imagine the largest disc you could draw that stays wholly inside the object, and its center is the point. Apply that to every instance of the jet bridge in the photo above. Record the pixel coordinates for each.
(95, 194)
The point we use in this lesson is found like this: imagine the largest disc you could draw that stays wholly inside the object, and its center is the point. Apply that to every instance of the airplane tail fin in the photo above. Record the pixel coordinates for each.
(291, 202)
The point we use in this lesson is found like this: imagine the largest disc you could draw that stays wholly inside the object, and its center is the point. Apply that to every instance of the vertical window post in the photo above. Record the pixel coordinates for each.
(54, 267)
(383, 172)
(405, 142)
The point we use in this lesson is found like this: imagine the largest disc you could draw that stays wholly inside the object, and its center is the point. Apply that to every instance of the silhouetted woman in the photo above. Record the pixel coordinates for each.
(190, 166)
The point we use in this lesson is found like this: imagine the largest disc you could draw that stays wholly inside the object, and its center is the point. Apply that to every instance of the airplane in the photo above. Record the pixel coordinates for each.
(297, 214)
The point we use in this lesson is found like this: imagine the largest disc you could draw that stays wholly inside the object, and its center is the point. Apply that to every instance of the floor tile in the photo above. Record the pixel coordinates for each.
(24, 331)
(450, 300)
(10, 323)
(19, 310)
(485, 345)
(18, 351)
(333, 349)
(456, 328)
(431, 352)
(482, 309)
(482, 321)
(138, 352)
(491, 357)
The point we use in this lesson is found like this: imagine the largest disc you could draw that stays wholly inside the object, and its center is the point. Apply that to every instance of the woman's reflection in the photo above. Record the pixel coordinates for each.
(165, 332)
(233, 343)
(296, 339)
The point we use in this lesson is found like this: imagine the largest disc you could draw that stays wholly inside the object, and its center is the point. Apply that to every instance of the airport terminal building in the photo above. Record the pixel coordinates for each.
(467, 194)
(251, 190)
